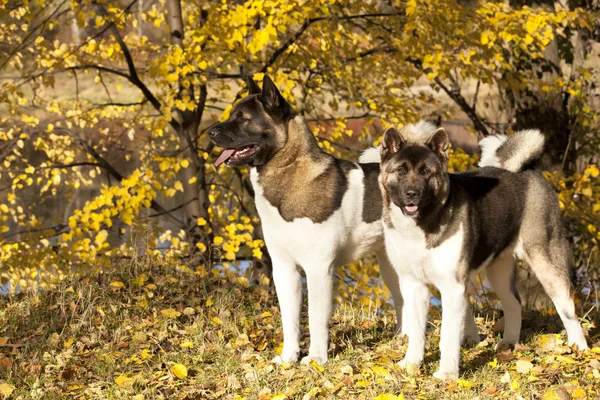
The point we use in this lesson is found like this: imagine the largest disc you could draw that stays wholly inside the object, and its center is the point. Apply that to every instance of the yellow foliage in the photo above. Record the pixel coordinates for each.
(180, 371)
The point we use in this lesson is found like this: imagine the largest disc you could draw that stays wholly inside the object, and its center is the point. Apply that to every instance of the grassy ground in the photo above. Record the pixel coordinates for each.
(143, 332)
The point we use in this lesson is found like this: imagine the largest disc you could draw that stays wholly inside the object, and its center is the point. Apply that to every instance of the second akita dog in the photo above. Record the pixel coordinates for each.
(439, 227)
(317, 211)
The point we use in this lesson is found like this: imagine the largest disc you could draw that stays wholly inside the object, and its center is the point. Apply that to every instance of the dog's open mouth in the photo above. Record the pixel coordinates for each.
(236, 155)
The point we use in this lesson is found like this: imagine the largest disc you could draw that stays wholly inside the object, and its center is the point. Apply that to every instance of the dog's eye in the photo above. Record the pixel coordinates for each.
(401, 171)
(241, 116)
(425, 171)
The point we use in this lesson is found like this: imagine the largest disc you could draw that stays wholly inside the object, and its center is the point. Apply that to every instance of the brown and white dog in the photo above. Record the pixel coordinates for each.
(318, 212)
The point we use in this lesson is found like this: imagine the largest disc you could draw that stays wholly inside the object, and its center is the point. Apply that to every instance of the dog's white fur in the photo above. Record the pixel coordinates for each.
(530, 143)
(418, 266)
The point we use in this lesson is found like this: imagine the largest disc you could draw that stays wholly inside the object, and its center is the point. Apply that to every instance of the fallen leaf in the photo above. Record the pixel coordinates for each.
(316, 366)
(123, 380)
(524, 366)
(279, 396)
(505, 356)
(380, 371)
(117, 285)
(187, 345)
(4, 340)
(565, 360)
(6, 390)
(6, 363)
(180, 371)
(170, 313)
(464, 384)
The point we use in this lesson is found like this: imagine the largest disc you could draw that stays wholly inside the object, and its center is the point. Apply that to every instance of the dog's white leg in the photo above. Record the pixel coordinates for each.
(390, 278)
(416, 306)
(554, 277)
(319, 279)
(501, 274)
(288, 285)
(454, 311)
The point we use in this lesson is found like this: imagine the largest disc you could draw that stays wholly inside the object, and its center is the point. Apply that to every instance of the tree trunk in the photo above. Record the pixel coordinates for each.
(195, 194)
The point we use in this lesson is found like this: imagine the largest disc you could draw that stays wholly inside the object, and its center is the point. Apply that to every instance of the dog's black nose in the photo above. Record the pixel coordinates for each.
(213, 133)
(411, 194)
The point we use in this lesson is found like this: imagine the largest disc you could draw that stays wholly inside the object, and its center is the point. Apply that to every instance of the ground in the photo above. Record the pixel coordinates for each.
(157, 332)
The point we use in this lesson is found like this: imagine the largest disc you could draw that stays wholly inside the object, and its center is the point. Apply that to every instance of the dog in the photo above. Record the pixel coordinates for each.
(439, 227)
(318, 212)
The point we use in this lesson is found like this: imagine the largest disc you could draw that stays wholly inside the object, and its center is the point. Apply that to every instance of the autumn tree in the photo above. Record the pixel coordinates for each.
(103, 152)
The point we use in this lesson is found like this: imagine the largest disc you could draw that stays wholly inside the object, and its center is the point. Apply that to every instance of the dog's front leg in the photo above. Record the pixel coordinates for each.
(416, 306)
(288, 285)
(319, 279)
(454, 312)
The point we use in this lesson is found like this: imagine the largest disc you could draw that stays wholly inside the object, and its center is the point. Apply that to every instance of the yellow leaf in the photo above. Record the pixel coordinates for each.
(216, 321)
(4, 208)
(201, 247)
(316, 366)
(494, 363)
(187, 345)
(178, 186)
(68, 343)
(514, 385)
(123, 380)
(101, 237)
(218, 240)
(565, 360)
(170, 313)
(201, 221)
(30, 169)
(388, 396)
(380, 371)
(6, 390)
(140, 280)
(180, 371)
(185, 163)
(279, 396)
(117, 284)
(362, 383)
(464, 384)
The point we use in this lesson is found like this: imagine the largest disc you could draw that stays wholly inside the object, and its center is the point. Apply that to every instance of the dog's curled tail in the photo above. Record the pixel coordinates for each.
(514, 153)
(370, 155)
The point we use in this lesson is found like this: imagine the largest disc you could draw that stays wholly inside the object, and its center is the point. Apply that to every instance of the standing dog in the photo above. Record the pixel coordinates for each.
(317, 211)
(439, 227)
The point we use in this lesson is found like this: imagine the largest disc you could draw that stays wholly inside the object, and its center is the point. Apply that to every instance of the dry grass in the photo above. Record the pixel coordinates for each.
(118, 334)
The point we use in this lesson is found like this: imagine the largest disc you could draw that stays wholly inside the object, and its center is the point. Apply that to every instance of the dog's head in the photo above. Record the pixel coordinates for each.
(256, 128)
(414, 175)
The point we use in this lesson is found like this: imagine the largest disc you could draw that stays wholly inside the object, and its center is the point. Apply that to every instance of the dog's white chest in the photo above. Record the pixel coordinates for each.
(342, 238)
(406, 247)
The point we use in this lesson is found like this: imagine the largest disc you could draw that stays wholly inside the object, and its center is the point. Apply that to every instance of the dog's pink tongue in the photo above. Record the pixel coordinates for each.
(412, 209)
(224, 156)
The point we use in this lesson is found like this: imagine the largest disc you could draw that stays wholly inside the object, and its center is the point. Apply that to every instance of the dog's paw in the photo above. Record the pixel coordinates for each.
(318, 359)
(445, 375)
(285, 359)
(410, 365)
(502, 346)
(471, 340)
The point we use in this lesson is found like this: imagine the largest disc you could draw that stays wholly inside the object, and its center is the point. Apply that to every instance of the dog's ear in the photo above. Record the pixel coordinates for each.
(270, 95)
(392, 142)
(252, 85)
(439, 143)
